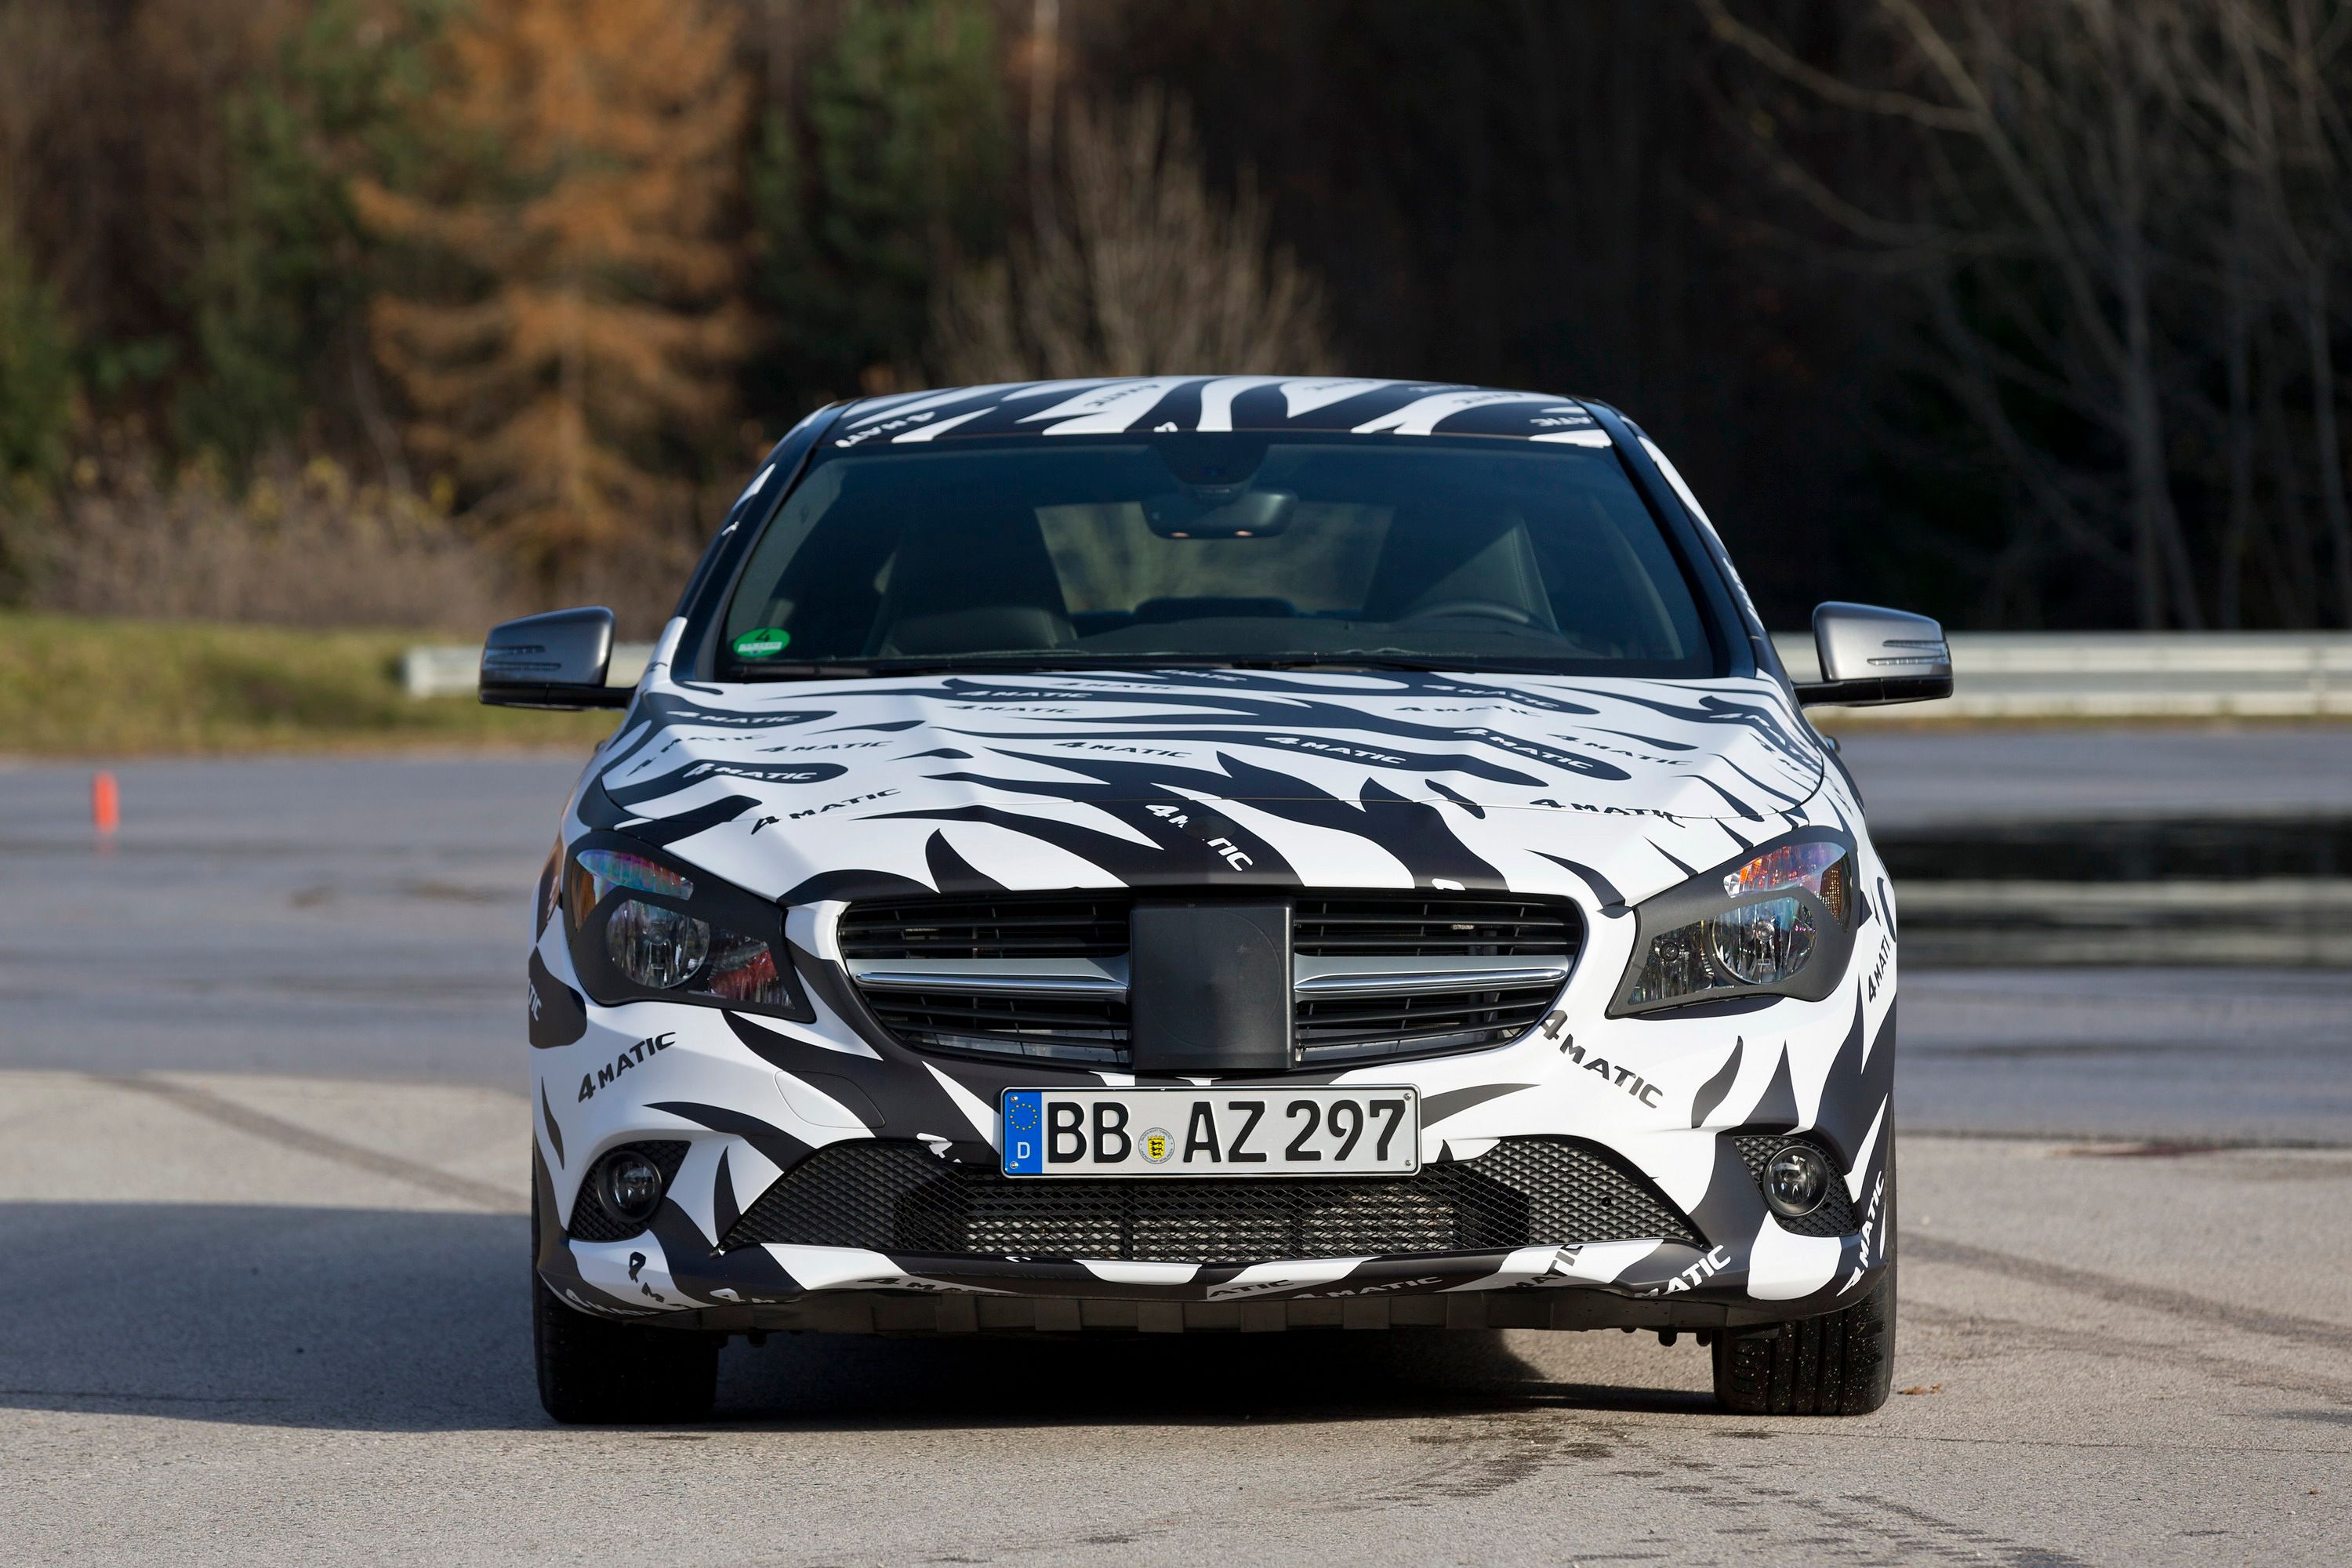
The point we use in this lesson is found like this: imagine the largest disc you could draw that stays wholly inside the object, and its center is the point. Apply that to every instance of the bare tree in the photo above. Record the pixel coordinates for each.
(2271, 113)
(1138, 267)
(2118, 207)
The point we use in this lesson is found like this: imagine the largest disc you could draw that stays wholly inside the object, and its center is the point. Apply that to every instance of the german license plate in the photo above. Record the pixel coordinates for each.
(1306, 1132)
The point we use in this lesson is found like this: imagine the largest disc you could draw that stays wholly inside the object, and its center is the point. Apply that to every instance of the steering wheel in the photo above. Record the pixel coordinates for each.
(1492, 609)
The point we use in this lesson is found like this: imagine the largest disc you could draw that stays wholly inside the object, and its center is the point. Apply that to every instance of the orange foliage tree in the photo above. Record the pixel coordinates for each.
(578, 331)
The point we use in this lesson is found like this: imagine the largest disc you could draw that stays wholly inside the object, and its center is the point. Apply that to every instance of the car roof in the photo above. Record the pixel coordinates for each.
(1172, 404)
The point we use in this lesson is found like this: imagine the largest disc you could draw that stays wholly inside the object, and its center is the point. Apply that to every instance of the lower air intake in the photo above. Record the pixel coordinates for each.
(899, 1198)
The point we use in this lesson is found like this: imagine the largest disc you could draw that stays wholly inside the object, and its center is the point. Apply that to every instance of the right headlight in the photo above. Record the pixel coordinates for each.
(644, 927)
(1777, 922)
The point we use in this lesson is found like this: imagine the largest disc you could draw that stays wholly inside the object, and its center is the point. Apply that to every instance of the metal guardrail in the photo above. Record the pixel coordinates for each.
(1998, 675)
(2121, 675)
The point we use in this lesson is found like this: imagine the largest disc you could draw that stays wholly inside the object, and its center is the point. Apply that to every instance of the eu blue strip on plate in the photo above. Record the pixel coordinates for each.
(1025, 1133)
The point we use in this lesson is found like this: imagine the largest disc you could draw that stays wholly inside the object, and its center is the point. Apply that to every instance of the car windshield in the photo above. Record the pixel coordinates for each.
(1194, 549)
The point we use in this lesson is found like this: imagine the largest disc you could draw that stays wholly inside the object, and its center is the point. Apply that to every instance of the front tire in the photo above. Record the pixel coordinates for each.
(607, 1374)
(1840, 1364)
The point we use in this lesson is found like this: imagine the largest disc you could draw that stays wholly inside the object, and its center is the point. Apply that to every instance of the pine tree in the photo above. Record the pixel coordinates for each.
(579, 347)
(282, 269)
(35, 368)
(888, 176)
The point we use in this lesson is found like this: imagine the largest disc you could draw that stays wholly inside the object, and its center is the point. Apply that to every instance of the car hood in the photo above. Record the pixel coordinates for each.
(845, 789)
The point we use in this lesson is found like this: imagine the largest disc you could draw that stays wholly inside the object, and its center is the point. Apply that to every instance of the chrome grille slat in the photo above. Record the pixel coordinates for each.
(1099, 976)
(1377, 975)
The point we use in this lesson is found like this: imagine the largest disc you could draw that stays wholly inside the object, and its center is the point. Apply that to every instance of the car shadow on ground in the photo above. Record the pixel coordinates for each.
(371, 1320)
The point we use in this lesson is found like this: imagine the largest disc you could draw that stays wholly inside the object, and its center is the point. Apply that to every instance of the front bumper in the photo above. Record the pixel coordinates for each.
(751, 1099)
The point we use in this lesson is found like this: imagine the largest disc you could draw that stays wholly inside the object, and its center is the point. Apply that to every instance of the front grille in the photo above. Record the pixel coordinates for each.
(1053, 926)
(592, 1221)
(1834, 1217)
(1377, 975)
(899, 1198)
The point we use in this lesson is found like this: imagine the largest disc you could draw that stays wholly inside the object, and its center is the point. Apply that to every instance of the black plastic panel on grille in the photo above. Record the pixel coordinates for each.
(1414, 1024)
(1834, 1217)
(899, 1198)
(592, 1221)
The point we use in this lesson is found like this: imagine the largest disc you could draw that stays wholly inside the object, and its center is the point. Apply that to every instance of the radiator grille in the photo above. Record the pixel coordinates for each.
(1433, 927)
(899, 1198)
(1075, 1028)
(1044, 1022)
(982, 935)
(1414, 1023)
(1370, 1026)
(1013, 927)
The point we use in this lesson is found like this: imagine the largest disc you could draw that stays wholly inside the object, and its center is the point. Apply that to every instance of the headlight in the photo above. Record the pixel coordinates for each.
(642, 928)
(655, 946)
(1777, 922)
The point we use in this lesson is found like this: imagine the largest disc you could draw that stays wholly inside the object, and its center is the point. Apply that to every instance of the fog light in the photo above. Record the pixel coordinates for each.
(1796, 1180)
(630, 1185)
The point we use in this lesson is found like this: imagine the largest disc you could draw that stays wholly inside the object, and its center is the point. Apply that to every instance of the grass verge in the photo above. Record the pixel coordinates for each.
(74, 686)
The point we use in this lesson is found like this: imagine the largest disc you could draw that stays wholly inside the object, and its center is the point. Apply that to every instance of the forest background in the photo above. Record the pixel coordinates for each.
(415, 312)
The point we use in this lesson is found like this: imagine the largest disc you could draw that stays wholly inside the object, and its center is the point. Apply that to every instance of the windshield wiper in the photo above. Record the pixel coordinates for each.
(1426, 663)
(1042, 662)
(865, 670)
(802, 671)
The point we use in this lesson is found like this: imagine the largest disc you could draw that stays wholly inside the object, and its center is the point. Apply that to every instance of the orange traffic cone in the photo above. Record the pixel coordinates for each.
(105, 804)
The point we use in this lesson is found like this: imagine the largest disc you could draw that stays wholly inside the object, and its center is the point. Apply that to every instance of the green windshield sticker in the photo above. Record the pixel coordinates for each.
(761, 642)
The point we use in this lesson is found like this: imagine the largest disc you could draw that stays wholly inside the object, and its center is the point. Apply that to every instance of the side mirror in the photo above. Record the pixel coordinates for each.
(1872, 656)
(554, 661)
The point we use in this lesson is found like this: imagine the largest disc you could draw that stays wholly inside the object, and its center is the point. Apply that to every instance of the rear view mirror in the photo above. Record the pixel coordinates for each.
(1208, 514)
(554, 661)
(1873, 655)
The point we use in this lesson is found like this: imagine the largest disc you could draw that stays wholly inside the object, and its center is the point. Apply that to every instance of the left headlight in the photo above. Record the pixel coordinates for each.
(1778, 921)
(644, 928)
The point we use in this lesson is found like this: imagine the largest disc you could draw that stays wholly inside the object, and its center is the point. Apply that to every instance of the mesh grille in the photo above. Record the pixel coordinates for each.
(1834, 1217)
(899, 1198)
(592, 1221)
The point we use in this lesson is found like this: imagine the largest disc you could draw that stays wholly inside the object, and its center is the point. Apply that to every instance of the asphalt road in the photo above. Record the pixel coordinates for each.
(236, 1337)
(359, 918)
(263, 1199)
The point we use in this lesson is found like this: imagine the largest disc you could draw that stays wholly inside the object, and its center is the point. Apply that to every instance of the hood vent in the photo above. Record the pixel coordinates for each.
(1374, 975)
